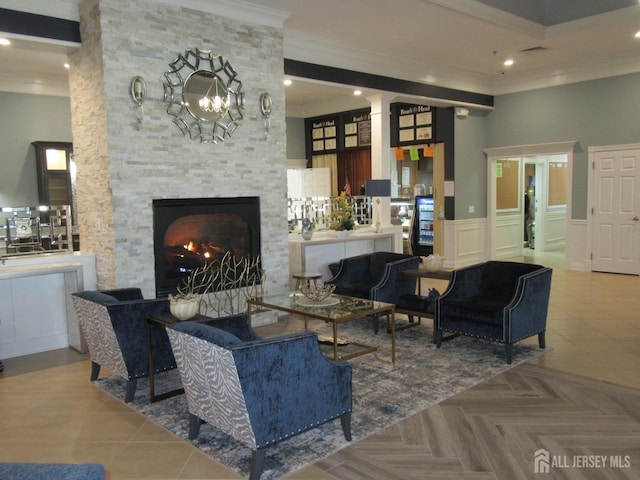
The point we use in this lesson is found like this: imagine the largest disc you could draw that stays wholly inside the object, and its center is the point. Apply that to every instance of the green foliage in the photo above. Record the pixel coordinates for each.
(342, 213)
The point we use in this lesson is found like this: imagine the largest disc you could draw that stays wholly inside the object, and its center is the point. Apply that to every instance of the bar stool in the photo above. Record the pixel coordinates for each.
(305, 279)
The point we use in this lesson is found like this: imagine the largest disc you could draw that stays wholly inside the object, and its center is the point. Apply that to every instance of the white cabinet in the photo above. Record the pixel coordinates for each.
(316, 254)
(36, 312)
(309, 182)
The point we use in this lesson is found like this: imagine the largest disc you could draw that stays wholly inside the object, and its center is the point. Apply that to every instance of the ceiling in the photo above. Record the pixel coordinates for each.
(459, 44)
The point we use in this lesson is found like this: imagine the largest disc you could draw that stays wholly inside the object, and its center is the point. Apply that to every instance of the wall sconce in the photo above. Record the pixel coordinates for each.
(138, 90)
(265, 109)
(462, 112)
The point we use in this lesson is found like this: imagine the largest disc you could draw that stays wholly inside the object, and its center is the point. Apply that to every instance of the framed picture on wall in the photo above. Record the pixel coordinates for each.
(364, 133)
(405, 121)
(423, 133)
(407, 135)
(351, 128)
(329, 132)
(424, 118)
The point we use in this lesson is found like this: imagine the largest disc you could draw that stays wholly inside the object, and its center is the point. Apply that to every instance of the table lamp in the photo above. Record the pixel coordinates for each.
(378, 188)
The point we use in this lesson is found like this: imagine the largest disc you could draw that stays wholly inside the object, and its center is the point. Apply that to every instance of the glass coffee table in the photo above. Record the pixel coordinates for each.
(336, 309)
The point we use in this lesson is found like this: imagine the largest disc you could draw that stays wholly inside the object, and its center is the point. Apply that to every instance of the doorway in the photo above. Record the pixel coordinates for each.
(543, 172)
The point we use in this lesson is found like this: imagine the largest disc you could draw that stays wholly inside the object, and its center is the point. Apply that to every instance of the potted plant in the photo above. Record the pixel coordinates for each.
(342, 214)
(186, 303)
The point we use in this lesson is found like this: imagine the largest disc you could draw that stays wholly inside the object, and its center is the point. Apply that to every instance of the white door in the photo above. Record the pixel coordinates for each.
(616, 211)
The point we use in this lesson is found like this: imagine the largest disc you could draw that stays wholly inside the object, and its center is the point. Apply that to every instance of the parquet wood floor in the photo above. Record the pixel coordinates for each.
(492, 431)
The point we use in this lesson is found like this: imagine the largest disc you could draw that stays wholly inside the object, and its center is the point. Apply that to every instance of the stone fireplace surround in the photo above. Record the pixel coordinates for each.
(123, 166)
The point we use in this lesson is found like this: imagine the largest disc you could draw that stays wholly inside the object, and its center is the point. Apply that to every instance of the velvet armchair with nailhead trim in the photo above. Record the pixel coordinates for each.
(259, 391)
(113, 323)
(376, 276)
(499, 301)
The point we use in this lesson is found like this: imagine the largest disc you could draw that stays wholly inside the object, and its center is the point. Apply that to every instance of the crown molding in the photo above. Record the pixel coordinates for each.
(534, 149)
(236, 9)
(554, 77)
(319, 51)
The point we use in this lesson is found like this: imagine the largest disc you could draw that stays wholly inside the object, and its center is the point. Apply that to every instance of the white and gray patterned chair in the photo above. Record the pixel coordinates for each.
(113, 323)
(259, 391)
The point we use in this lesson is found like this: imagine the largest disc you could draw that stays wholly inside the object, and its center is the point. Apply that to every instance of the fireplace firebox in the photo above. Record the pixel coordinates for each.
(189, 233)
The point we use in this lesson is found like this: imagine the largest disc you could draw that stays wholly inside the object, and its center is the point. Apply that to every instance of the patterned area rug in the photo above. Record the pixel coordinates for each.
(383, 394)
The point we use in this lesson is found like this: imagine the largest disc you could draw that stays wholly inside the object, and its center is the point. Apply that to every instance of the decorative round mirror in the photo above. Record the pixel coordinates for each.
(204, 96)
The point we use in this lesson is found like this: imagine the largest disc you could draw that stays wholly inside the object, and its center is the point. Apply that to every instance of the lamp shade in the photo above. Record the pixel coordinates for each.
(377, 188)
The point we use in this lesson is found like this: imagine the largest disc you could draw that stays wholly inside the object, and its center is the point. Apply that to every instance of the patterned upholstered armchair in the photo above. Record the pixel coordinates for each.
(376, 276)
(113, 323)
(500, 301)
(259, 391)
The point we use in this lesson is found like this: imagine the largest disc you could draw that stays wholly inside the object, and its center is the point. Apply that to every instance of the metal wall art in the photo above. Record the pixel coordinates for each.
(204, 96)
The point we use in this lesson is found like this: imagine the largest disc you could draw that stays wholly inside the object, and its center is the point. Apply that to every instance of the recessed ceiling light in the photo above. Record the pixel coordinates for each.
(287, 82)
(67, 66)
(357, 92)
(5, 41)
(508, 62)
(637, 35)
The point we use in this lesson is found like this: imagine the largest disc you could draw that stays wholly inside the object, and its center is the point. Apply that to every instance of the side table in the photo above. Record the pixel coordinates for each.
(416, 305)
(305, 279)
(163, 320)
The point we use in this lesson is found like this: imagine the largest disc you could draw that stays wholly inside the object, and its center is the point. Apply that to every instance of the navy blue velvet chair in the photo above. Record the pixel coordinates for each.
(376, 276)
(500, 301)
(114, 325)
(259, 391)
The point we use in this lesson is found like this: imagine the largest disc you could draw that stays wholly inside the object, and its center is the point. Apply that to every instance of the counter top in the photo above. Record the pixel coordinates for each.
(48, 263)
(331, 237)
(34, 270)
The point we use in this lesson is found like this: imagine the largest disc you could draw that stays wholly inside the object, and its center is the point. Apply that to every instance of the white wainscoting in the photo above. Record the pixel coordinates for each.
(555, 237)
(465, 242)
(578, 252)
(508, 236)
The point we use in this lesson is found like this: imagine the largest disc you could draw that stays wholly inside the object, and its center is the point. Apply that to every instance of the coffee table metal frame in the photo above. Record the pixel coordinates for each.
(347, 309)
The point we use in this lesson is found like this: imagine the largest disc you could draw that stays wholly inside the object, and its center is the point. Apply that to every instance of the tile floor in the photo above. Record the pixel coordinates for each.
(52, 413)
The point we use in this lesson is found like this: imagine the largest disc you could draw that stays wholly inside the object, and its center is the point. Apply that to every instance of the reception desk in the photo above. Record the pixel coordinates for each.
(324, 248)
(36, 313)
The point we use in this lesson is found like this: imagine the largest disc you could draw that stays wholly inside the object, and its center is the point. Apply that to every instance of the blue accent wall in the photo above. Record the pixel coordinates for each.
(593, 113)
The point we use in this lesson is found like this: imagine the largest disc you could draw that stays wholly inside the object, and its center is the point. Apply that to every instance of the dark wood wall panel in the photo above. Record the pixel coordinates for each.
(356, 165)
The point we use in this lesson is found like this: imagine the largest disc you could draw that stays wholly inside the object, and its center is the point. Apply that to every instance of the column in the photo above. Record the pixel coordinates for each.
(381, 146)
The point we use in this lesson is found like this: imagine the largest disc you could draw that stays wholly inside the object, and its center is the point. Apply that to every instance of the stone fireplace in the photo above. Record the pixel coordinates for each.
(189, 233)
(123, 164)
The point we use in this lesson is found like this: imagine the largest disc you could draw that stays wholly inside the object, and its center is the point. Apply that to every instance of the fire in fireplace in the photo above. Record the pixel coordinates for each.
(188, 233)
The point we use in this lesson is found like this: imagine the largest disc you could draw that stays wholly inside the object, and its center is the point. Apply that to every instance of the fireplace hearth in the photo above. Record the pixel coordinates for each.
(189, 233)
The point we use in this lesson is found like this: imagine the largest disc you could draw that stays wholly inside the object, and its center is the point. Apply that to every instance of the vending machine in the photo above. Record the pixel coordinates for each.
(422, 228)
